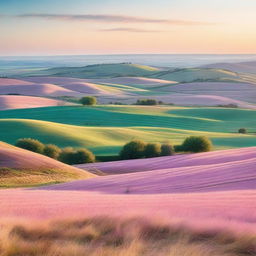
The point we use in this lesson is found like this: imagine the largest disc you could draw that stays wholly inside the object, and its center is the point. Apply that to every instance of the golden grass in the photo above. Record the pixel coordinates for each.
(104, 236)
(10, 178)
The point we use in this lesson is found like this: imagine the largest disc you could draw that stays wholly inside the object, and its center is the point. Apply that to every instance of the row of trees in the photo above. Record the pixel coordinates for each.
(132, 150)
(88, 101)
(139, 149)
(67, 155)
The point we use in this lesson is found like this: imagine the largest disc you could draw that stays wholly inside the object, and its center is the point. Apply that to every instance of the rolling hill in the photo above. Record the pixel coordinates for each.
(237, 91)
(241, 67)
(105, 129)
(189, 75)
(200, 175)
(19, 167)
(98, 71)
(16, 102)
(206, 194)
(177, 161)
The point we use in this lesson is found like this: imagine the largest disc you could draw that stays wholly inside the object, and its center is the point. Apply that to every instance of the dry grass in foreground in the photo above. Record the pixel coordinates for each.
(103, 236)
(11, 178)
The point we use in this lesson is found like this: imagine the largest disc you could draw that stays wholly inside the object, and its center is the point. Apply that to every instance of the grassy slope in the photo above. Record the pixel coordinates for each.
(104, 129)
(133, 70)
(22, 168)
(98, 71)
(194, 74)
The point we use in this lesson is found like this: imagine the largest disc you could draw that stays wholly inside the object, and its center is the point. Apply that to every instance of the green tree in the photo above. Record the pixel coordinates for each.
(152, 150)
(167, 149)
(88, 100)
(133, 150)
(30, 144)
(197, 144)
(242, 130)
(148, 102)
(83, 156)
(52, 151)
(80, 156)
(67, 155)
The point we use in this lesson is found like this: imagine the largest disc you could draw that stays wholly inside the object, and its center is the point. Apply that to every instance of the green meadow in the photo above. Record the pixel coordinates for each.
(104, 129)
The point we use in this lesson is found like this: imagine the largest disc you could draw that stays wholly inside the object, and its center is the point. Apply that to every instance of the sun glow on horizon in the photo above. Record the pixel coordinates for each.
(106, 27)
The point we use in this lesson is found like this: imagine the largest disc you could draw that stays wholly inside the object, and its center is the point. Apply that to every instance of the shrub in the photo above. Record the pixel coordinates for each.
(30, 144)
(197, 144)
(167, 149)
(242, 130)
(231, 105)
(67, 155)
(52, 151)
(149, 102)
(152, 150)
(178, 148)
(81, 156)
(133, 150)
(88, 100)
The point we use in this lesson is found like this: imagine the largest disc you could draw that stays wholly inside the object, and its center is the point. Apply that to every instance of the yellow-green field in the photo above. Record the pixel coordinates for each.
(104, 129)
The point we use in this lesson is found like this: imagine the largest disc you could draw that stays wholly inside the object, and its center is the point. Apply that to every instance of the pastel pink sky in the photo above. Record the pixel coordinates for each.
(111, 26)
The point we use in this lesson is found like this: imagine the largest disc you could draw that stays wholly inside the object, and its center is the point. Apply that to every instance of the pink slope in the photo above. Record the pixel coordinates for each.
(215, 157)
(215, 190)
(234, 210)
(15, 102)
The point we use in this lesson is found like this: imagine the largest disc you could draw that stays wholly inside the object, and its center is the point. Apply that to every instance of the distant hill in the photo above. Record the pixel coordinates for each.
(19, 101)
(242, 67)
(197, 75)
(98, 71)
(19, 167)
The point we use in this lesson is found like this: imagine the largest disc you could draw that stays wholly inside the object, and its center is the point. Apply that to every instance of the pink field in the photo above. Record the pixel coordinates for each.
(8, 86)
(211, 158)
(233, 209)
(214, 190)
(15, 102)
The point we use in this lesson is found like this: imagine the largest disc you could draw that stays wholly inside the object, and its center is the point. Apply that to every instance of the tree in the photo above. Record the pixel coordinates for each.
(133, 150)
(197, 144)
(152, 150)
(52, 151)
(67, 155)
(80, 156)
(149, 102)
(30, 144)
(88, 100)
(242, 130)
(167, 149)
(83, 156)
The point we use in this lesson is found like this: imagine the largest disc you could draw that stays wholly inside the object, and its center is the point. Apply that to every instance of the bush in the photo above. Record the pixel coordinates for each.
(30, 144)
(178, 148)
(197, 144)
(167, 149)
(67, 155)
(149, 102)
(152, 150)
(52, 151)
(83, 156)
(133, 150)
(80, 156)
(242, 130)
(89, 101)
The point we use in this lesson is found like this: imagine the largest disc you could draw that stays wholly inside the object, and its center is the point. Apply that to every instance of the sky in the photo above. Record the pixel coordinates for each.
(60, 27)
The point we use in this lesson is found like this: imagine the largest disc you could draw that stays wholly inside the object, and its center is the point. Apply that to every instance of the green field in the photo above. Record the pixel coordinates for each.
(104, 129)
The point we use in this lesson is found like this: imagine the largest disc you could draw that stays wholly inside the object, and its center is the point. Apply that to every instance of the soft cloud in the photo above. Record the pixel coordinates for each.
(113, 19)
(134, 30)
